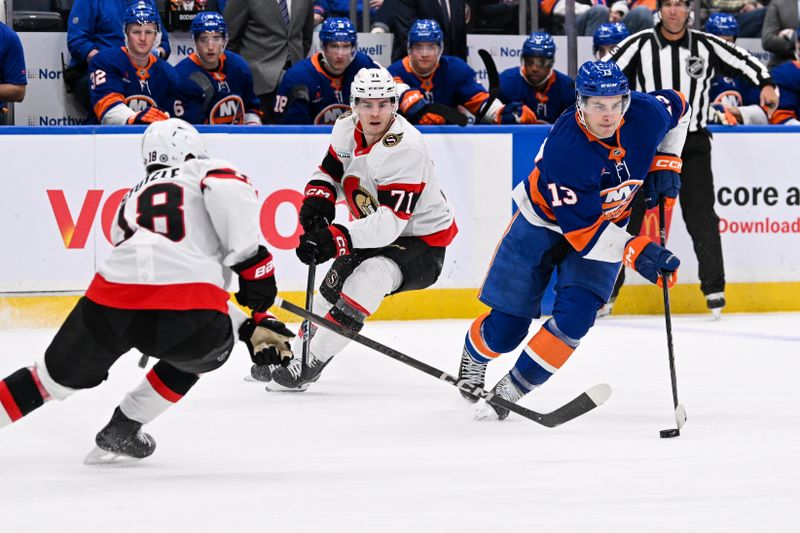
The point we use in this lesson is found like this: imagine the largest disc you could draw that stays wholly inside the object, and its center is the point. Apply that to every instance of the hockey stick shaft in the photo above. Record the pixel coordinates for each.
(494, 82)
(581, 404)
(310, 282)
(662, 223)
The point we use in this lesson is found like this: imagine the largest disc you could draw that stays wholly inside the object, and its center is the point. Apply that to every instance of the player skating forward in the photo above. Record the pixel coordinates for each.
(162, 291)
(571, 216)
(380, 166)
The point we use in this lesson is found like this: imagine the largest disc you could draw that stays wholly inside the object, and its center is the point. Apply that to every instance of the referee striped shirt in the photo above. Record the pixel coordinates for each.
(651, 62)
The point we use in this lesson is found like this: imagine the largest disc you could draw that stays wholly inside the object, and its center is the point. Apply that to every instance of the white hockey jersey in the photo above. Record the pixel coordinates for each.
(390, 187)
(174, 236)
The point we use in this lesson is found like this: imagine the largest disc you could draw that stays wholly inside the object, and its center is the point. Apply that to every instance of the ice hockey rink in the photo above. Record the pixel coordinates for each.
(378, 446)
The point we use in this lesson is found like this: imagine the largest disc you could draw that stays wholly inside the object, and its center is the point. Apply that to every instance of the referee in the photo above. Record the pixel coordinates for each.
(672, 56)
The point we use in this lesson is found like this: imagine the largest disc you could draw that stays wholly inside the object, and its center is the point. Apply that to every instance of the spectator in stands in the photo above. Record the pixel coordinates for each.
(636, 15)
(536, 83)
(778, 32)
(607, 36)
(426, 79)
(271, 38)
(224, 78)
(130, 85)
(324, 9)
(12, 70)
(589, 14)
(317, 90)
(787, 76)
(96, 25)
(450, 16)
(749, 14)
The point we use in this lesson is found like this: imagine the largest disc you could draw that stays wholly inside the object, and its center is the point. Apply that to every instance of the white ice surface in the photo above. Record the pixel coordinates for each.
(378, 446)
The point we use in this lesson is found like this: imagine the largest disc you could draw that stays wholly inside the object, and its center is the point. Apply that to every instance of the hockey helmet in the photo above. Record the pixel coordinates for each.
(337, 30)
(609, 34)
(539, 44)
(141, 13)
(169, 143)
(601, 78)
(373, 83)
(425, 31)
(722, 25)
(209, 22)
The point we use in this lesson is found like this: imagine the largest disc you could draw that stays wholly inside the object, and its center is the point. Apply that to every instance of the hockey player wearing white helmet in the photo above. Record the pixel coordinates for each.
(163, 291)
(380, 166)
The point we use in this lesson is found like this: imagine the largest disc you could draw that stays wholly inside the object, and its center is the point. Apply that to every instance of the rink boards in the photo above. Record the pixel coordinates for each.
(60, 188)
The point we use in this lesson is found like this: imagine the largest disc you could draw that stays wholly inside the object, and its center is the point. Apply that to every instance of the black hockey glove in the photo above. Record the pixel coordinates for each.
(323, 244)
(319, 205)
(257, 289)
(267, 340)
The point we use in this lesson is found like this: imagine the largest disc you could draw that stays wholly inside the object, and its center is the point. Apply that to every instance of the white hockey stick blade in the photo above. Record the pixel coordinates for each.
(599, 393)
(680, 415)
(100, 457)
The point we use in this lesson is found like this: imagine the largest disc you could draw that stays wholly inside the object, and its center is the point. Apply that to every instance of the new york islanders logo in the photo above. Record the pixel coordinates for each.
(331, 114)
(139, 102)
(229, 110)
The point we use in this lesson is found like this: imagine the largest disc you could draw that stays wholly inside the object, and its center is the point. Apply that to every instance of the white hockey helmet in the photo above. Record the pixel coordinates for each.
(170, 142)
(373, 83)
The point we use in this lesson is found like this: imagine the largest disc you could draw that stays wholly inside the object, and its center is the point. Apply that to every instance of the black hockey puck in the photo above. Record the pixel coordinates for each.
(669, 433)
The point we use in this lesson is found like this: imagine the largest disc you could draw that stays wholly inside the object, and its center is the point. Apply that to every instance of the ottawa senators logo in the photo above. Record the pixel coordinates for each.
(359, 200)
(392, 139)
(229, 110)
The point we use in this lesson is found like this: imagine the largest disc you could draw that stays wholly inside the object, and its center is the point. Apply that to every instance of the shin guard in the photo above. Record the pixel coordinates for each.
(162, 387)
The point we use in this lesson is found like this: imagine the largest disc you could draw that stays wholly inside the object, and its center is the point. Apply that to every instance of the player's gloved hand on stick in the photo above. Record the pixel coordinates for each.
(319, 205)
(664, 178)
(412, 102)
(651, 260)
(147, 116)
(257, 289)
(515, 113)
(323, 244)
(267, 340)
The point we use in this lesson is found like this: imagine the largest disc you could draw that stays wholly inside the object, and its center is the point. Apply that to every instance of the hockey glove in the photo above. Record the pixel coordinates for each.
(719, 114)
(267, 340)
(515, 113)
(324, 244)
(319, 205)
(664, 178)
(147, 116)
(412, 102)
(257, 289)
(432, 119)
(651, 260)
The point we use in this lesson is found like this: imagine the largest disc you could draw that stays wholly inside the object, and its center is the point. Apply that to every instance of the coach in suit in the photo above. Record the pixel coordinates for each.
(777, 35)
(450, 14)
(271, 35)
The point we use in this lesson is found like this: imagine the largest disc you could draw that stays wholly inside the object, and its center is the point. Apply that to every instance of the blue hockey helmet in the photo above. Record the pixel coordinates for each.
(141, 13)
(425, 31)
(601, 78)
(722, 25)
(337, 30)
(208, 22)
(609, 34)
(539, 44)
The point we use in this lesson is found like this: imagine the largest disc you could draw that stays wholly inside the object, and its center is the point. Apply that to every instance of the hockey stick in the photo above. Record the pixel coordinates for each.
(312, 273)
(494, 83)
(450, 115)
(680, 412)
(582, 404)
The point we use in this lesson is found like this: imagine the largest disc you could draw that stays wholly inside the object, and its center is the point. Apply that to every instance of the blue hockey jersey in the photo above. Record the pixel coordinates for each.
(787, 76)
(733, 92)
(310, 94)
(231, 91)
(557, 94)
(582, 185)
(452, 83)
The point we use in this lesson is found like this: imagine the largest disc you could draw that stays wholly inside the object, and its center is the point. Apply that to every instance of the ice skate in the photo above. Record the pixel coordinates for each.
(122, 441)
(716, 302)
(505, 389)
(473, 373)
(294, 378)
(606, 309)
(259, 374)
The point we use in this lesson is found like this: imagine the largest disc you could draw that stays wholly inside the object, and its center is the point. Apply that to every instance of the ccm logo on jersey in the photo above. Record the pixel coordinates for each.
(667, 162)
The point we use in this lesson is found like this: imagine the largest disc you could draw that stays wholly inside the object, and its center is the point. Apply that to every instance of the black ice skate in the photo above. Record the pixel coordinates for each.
(505, 389)
(259, 373)
(295, 378)
(716, 303)
(121, 441)
(473, 373)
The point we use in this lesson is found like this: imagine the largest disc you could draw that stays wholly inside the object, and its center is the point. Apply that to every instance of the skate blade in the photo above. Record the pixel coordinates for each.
(484, 412)
(276, 387)
(250, 379)
(100, 457)
(716, 314)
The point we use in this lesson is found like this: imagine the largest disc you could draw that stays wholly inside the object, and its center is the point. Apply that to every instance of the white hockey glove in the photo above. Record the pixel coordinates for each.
(267, 340)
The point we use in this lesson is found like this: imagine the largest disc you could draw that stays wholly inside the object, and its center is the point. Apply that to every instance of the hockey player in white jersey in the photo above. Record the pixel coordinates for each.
(380, 166)
(177, 235)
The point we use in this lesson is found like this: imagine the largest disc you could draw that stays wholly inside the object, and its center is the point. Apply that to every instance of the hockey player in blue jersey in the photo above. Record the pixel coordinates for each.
(130, 85)
(733, 100)
(570, 217)
(607, 36)
(223, 77)
(787, 76)
(426, 76)
(536, 83)
(317, 89)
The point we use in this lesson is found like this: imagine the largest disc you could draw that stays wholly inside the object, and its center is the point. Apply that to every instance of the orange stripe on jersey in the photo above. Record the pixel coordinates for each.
(580, 238)
(550, 348)
(683, 101)
(536, 196)
(782, 115)
(548, 5)
(106, 103)
(476, 338)
(475, 103)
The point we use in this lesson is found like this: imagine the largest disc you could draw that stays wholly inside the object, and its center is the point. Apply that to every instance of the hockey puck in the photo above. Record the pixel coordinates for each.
(669, 433)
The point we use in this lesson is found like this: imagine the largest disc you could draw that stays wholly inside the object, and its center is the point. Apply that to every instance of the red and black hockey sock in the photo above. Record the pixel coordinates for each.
(163, 386)
(20, 393)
